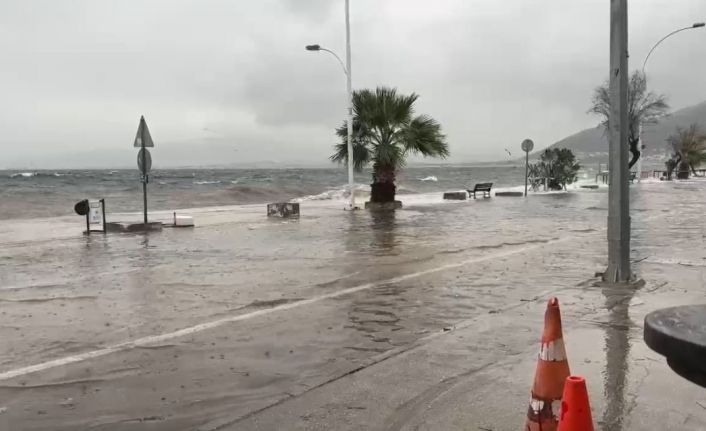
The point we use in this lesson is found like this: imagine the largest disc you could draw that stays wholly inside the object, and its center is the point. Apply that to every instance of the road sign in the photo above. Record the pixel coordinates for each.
(81, 207)
(527, 145)
(147, 166)
(143, 133)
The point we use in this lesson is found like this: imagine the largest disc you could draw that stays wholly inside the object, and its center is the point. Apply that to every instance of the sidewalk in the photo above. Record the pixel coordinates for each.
(478, 376)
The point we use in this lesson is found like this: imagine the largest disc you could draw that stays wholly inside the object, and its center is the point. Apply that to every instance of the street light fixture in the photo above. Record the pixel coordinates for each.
(693, 26)
(644, 63)
(347, 71)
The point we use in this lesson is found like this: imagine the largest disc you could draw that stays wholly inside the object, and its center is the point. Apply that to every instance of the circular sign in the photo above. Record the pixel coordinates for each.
(147, 161)
(527, 145)
(81, 207)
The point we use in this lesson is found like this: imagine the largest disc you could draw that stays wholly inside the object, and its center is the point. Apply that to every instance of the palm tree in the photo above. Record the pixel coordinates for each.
(643, 108)
(385, 132)
(689, 147)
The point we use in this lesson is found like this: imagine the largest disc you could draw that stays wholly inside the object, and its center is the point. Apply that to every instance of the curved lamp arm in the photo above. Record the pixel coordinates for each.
(695, 25)
(319, 48)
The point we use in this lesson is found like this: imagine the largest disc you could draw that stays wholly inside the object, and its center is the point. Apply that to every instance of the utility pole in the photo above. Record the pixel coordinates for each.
(618, 270)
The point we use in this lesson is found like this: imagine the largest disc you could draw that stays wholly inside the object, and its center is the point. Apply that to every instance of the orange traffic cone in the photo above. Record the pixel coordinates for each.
(552, 371)
(575, 408)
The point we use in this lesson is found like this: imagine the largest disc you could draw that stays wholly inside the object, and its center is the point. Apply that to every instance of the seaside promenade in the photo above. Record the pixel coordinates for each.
(428, 319)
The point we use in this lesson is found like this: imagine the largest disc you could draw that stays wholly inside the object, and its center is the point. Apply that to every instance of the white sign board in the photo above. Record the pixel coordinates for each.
(95, 213)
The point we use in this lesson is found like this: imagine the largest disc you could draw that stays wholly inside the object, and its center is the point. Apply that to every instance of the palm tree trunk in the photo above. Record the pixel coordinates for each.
(383, 188)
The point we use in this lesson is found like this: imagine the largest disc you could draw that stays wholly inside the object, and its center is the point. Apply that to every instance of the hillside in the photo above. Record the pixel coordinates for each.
(592, 144)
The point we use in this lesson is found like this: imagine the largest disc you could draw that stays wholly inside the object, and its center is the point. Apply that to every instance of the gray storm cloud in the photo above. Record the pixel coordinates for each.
(224, 82)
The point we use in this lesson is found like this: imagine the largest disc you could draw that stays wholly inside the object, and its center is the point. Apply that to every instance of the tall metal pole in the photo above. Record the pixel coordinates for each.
(351, 185)
(144, 173)
(618, 270)
(526, 170)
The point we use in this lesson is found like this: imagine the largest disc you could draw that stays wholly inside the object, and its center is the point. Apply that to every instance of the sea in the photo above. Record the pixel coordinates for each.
(49, 193)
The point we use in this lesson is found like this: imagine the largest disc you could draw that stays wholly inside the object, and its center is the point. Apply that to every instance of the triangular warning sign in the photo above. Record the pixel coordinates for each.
(143, 134)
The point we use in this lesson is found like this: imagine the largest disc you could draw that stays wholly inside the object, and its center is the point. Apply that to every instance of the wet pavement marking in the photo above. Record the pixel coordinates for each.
(154, 339)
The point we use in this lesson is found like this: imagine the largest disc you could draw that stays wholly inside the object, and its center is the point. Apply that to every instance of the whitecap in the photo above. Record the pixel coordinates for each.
(336, 194)
(429, 178)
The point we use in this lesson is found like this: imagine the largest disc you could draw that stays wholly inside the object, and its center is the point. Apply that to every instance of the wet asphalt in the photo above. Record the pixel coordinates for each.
(427, 318)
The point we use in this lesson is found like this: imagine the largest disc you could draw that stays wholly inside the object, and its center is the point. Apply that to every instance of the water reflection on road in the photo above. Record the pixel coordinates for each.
(617, 351)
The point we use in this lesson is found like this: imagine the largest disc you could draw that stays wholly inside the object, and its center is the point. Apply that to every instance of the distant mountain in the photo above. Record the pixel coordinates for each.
(592, 144)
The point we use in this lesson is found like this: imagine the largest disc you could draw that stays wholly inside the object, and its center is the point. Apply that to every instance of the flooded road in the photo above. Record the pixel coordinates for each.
(225, 325)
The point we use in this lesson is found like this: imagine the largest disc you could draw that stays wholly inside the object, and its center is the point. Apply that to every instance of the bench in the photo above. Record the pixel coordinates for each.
(480, 187)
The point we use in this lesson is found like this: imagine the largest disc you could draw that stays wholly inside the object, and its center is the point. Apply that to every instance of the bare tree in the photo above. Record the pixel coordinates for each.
(643, 107)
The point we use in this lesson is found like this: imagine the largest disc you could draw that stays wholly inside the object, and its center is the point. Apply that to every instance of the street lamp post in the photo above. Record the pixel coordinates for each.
(693, 26)
(349, 90)
(644, 63)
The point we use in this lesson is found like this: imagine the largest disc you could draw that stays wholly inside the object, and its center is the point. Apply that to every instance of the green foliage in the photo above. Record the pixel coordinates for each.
(557, 164)
(385, 132)
(689, 147)
(644, 107)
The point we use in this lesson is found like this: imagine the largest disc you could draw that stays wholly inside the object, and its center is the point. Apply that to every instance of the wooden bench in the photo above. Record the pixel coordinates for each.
(480, 187)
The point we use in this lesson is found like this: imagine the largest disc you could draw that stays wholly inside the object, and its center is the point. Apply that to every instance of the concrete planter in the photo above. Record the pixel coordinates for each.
(456, 196)
(283, 209)
(515, 194)
(386, 206)
(133, 227)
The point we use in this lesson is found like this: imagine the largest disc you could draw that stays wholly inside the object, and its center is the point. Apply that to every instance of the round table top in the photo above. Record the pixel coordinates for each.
(679, 333)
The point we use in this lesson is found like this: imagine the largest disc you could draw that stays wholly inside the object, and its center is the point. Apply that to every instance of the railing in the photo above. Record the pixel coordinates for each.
(605, 177)
(665, 174)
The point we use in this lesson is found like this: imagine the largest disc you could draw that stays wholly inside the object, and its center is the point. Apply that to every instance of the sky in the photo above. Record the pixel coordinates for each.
(229, 83)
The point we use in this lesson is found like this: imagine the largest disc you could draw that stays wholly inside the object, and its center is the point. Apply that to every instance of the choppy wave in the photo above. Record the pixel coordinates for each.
(338, 193)
(37, 174)
(42, 193)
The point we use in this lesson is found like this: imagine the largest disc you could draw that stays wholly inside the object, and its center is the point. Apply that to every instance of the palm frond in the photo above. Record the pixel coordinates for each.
(423, 136)
(361, 140)
(389, 157)
(384, 131)
(689, 145)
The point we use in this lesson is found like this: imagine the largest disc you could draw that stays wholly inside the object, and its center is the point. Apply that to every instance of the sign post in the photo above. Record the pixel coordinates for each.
(527, 146)
(143, 139)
